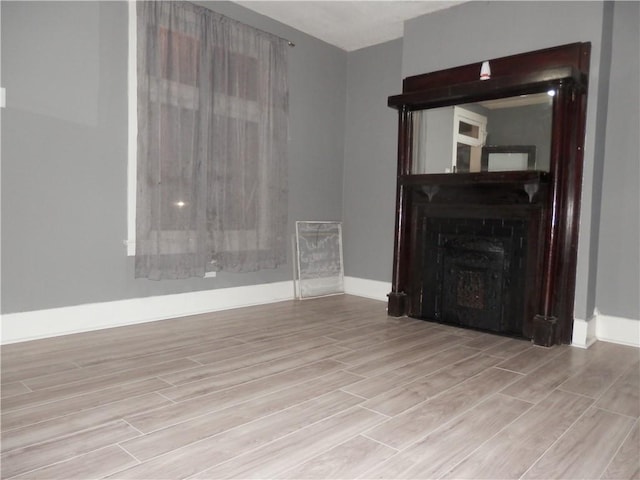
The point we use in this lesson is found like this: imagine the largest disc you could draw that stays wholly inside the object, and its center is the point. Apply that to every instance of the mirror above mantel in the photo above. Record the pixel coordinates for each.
(506, 134)
(488, 193)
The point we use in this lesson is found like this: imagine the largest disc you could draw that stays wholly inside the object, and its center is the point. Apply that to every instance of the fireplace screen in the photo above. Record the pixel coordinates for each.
(470, 289)
(472, 286)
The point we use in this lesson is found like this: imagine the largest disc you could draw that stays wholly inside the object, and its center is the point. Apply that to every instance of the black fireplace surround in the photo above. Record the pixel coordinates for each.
(473, 272)
(475, 250)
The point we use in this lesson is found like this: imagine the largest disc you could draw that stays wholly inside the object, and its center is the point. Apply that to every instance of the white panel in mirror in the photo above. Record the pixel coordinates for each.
(503, 162)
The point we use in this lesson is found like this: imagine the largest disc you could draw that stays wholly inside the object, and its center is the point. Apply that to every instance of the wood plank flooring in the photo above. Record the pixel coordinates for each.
(318, 389)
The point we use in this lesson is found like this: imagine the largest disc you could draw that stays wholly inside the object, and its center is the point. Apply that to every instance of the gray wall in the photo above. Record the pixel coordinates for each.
(618, 282)
(64, 152)
(370, 161)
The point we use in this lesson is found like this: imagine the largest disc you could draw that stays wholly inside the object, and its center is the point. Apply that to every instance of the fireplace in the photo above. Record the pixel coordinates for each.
(476, 251)
(473, 272)
(490, 245)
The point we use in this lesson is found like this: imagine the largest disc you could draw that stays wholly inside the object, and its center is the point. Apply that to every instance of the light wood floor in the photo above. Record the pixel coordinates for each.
(326, 388)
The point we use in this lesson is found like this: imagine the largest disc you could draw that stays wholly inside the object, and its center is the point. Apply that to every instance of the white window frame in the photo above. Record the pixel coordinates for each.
(132, 152)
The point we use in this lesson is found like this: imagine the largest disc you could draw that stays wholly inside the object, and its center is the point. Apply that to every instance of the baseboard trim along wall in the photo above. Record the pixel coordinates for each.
(52, 322)
(625, 331)
(19, 327)
(23, 326)
(363, 287)
(608, 328)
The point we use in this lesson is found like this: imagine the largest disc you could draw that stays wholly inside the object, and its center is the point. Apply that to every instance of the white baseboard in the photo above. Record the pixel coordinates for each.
(625, 331)
(607, 328)
(23, 326)
(363, 287)
(19, 327)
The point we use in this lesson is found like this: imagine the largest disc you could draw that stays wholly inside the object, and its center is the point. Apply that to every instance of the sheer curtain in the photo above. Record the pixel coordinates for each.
(212, 137)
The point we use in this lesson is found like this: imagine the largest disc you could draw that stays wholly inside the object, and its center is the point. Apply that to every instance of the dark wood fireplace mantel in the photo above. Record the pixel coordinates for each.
(541, 209)
(486, 187)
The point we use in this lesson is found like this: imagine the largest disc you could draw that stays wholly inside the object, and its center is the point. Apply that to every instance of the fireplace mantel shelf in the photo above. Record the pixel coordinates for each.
(481, 188)
(479, 178)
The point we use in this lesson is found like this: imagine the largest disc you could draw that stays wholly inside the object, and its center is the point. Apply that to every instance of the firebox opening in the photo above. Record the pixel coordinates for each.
(473, 273)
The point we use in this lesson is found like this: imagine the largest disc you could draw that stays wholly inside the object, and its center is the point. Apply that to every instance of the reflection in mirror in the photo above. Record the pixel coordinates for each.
(451, 139)
(503, 158)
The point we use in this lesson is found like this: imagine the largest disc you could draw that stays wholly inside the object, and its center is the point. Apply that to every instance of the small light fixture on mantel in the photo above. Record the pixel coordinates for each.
(485, 71)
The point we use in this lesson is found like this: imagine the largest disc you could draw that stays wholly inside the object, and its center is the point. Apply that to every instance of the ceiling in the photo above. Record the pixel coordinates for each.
(347, 25)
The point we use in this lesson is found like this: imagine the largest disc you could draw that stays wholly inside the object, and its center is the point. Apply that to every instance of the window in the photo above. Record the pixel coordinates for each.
(208, 180)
